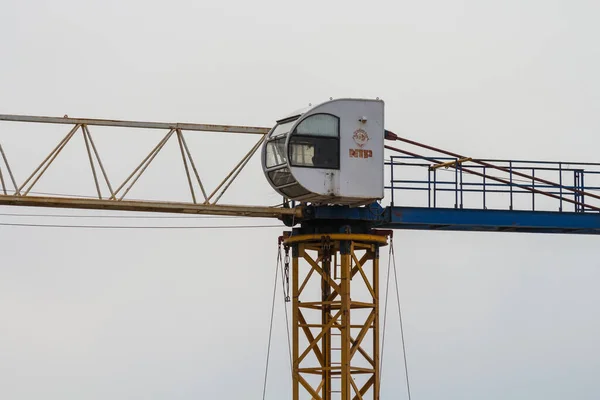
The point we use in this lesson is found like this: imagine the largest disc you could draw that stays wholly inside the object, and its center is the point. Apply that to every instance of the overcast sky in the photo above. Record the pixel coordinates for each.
(183, 314)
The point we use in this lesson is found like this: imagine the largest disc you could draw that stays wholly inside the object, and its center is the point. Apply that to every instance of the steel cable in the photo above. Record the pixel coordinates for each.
(271, 324)
(385, 307)
(392, 262)
(287, 321)
(400, 317)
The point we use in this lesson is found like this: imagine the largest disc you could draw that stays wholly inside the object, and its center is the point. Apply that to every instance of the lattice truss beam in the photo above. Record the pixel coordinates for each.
(112, 194)
(336, 319)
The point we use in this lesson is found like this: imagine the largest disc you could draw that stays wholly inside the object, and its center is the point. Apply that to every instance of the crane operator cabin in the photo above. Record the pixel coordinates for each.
(331, 153)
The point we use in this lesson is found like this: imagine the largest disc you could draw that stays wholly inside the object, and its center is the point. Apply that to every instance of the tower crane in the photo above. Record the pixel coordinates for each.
(335, 164)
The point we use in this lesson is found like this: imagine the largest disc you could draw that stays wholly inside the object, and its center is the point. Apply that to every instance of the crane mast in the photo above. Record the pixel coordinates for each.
(335, 247)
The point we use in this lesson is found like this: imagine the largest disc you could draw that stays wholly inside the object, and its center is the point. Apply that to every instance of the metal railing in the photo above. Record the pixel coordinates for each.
(453, 182)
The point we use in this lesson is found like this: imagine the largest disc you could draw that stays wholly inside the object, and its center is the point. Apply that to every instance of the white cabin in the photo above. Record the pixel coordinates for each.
(331, 153)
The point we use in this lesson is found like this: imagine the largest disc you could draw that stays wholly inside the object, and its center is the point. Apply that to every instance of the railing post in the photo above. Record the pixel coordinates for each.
(578, 175)
(484, 206)
(392, 178)
(434, 188)
(511, 183)
(560, 185)
(533, 187)
(456, 184)
(461, 186)
(429, 188)
(582, 197)
(576, 186)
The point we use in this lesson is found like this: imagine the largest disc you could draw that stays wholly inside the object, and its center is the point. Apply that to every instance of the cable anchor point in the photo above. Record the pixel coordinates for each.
(286, 273)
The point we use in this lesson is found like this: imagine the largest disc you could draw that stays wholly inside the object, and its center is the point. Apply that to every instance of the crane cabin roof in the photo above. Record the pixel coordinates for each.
(331, 153)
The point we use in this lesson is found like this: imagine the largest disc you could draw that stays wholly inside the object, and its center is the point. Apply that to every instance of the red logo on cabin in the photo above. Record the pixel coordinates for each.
(361, 153)
(360, 137)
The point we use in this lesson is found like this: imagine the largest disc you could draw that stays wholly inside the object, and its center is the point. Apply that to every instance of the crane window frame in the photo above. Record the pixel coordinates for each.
(275, 154)
(315, 142)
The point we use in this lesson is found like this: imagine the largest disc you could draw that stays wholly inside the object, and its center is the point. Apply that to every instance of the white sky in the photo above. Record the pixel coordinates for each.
(184, 314)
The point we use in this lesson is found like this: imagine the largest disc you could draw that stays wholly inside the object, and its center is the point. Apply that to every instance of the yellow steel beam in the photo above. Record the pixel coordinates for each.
(310, 337)
(375, 361)
(317, 338)
(382, 240)
(360, 349)
(150, 206)
(345, 309)
(136, 124)
(359, 265)
(452, 163)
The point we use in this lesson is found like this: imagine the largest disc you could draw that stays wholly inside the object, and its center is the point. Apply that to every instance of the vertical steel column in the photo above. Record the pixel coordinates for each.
(335, 332)
(345, 327)
(325, 318)
(375, 280)
(295, 332)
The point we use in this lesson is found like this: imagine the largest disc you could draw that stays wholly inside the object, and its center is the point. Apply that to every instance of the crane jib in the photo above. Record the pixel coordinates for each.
(459, 193)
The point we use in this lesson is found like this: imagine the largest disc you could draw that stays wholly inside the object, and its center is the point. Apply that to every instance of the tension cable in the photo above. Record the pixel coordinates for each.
(392, 262)
(284, 266)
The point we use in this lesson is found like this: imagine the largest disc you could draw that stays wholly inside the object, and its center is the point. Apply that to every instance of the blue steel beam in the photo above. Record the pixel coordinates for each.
(450, 219)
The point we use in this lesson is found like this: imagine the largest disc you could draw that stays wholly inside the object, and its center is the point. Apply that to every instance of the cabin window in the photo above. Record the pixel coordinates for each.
(316, 142)
(281, 177)
(282, 128)
(294, 191)
(275, 152)
(316, 152)
(319, 125)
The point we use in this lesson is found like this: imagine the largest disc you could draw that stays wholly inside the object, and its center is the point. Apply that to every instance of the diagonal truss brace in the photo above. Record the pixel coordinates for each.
(98, 170)
(10, 174)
